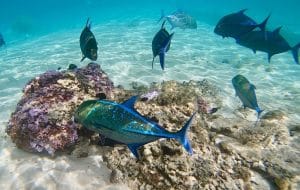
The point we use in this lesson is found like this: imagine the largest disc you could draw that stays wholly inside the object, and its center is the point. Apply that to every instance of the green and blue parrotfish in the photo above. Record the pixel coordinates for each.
(122, 123)
(246, 92)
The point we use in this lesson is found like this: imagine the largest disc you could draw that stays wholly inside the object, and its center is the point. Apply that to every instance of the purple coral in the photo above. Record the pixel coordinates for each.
(42, 121)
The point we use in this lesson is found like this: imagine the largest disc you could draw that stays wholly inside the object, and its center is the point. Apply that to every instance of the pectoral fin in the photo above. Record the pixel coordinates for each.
(82, 58)
(134, 149)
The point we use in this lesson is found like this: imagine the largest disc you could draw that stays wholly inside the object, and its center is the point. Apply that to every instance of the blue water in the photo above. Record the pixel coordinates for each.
(44, 35)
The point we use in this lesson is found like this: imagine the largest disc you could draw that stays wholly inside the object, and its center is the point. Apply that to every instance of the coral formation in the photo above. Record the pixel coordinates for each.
(228, 153)
(42, 121)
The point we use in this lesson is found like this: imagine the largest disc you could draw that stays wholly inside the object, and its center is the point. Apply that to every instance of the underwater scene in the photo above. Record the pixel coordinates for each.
(132, 94)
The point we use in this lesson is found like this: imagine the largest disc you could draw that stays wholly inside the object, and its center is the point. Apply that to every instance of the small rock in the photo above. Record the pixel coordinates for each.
(116, 176)
(168, 149)
(282, 184)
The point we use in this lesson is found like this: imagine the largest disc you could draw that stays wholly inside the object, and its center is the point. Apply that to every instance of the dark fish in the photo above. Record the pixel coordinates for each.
(246, 92)
(122, 123)
(161, 44)
(236, 24)
(270, 42)
(2, 42)
(88, 43)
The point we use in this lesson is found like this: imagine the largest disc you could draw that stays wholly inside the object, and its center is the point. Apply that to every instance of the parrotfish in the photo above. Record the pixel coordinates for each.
(271, 42)
(122, 123)
(246, 92)
(88, 43)
(180, 19)
(2, 42)
(237, 24)
(161, 44)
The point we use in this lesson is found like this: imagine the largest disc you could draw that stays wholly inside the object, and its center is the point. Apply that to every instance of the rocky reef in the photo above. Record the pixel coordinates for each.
(42, 121)
(228, 153)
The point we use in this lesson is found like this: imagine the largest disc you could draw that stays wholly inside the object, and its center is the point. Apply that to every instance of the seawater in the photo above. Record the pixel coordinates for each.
(44, 35)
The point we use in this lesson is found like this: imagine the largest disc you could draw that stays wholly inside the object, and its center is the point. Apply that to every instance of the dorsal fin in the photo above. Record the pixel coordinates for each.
(130, 102)
(242, 11)
(88, 23)
(277, 30)
(162, 26)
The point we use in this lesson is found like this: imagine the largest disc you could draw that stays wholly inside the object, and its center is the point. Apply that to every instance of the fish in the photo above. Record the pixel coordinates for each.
(2, 42)
(161, 44)
(246, 92)
(88, 43)
(271, 42)
(180, 19)
(237, 24)
(122, 123)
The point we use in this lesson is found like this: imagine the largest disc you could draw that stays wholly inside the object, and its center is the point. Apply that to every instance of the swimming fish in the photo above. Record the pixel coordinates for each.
(161, 44)
(88, 43)
(180, 19)
(122, 123)
(2, 42)
(271, 42)
(246, 92)
(236, 24)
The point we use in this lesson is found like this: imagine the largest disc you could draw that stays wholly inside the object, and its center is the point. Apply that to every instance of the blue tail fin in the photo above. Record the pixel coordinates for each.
(162, 58)
(295, 51)
(182, 137)
(259, 111)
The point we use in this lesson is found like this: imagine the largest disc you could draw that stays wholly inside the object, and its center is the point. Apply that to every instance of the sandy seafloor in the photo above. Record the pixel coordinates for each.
(125, 54)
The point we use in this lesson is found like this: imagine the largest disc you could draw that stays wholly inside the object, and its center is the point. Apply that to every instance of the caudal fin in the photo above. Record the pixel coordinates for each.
(295, 51)
(182, 135)
(162, 58)
(259, 111)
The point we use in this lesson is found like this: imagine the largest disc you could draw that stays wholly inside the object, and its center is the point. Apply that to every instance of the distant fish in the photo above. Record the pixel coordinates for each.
(2, 42)
(122, 123)
(246, 92)
(236, 24)
(270, 42)
(161, 44)
(88, 43)
(180, 19)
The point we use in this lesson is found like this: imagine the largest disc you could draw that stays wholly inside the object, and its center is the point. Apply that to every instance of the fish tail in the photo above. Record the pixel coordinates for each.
(161, 59)
(295, 51)
(181, 135)
(259, 111)
(162, 15)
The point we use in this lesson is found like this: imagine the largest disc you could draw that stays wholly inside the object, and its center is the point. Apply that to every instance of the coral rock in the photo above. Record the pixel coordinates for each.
(42, 121)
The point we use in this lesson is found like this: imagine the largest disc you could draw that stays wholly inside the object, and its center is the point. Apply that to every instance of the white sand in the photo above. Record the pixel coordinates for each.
(125, 54)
